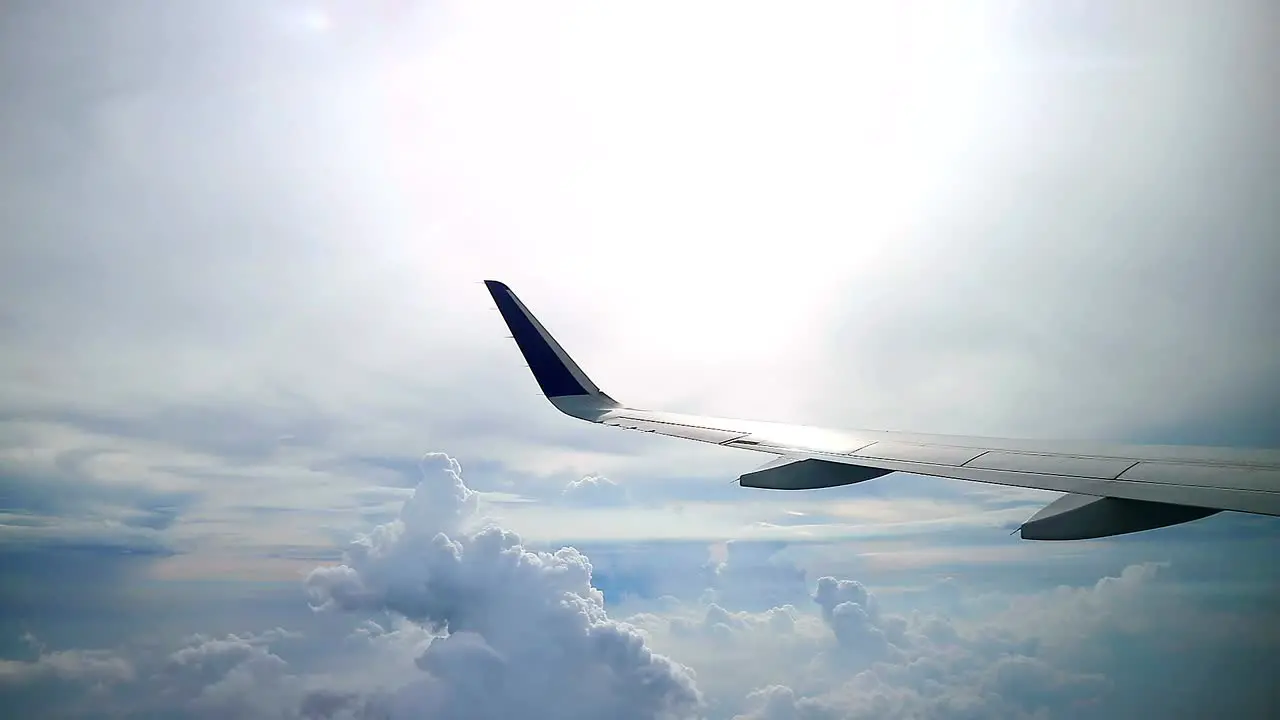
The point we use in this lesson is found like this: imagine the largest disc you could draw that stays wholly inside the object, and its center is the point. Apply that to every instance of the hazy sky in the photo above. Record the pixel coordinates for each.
(241, 246)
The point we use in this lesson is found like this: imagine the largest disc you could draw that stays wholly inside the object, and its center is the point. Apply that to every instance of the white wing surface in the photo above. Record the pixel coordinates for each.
(1110, 489)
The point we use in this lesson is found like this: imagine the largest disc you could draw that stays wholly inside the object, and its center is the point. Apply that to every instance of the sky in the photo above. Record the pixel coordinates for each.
(265, 450)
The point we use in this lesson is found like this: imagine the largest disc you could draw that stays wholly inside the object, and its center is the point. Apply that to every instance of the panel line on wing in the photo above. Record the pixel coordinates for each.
(860, 449)
(719, 436)
(912, 452)
(1122, 472)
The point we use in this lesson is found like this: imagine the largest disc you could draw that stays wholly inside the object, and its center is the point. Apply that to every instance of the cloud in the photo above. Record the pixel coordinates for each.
(525, 632)
(853, 659)
(1096, 650)
(236, 675)
(595, 491)
(832, 593)
(206, 677)
(73, 666)
(446, 614)
(755, 575)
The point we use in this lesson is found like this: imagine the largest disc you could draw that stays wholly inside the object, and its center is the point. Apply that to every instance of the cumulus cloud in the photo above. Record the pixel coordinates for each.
(775, 702)
(851, 657)
(832, 594)
(236, 675)
(230, 676)
(754, 575)
(723, 624)
(523, 633)
(595, 490)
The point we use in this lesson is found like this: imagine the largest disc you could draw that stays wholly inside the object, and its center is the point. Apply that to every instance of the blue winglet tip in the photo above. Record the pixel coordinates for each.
(549, 369)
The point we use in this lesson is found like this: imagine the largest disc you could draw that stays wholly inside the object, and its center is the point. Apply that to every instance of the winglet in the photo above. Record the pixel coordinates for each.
(561, 380)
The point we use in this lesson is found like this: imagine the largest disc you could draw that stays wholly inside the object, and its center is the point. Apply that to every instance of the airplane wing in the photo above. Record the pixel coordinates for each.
(1110, 489)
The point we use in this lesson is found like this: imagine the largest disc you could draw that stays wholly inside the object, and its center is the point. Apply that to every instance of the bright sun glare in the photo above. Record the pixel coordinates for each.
(655, 132)
(314, 20)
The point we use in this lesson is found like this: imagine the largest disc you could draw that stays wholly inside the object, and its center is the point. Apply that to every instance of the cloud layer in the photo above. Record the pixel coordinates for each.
(449, 615)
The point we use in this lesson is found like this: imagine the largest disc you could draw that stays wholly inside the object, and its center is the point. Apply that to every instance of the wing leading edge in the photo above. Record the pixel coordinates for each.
(1110, 489)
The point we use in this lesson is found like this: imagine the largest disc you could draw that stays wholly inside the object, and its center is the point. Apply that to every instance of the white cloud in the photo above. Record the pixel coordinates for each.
(76, 666)
(595, 491)
(853, 659)
(528, 635)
